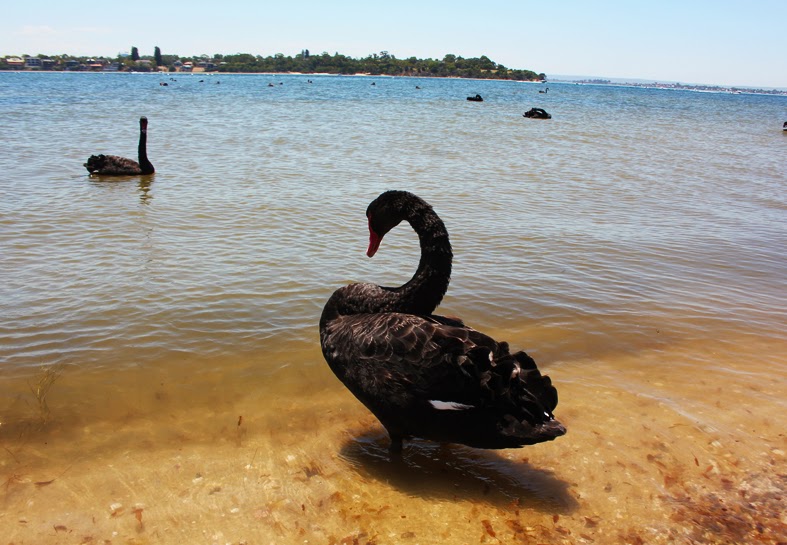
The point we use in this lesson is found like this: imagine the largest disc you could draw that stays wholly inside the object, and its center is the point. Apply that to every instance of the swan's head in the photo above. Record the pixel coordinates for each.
(384, 213)
(143, 124)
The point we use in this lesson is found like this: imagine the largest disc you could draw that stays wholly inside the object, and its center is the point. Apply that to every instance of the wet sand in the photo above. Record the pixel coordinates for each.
(685, 445)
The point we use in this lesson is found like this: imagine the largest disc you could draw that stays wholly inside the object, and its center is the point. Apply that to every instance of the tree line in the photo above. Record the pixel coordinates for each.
(383, 63)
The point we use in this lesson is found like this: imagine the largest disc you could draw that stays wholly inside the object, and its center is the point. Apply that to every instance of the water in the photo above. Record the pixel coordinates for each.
(160, 372)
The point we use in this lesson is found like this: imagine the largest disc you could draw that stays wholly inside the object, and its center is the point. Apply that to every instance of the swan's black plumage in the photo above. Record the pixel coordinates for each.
(424, 375)
(114, 165)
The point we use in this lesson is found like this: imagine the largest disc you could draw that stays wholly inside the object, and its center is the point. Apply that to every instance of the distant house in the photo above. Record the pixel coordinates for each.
(188, 66)
(72, 64)
(15, 62)
(48, 64)
(33, 62)
(96, 64)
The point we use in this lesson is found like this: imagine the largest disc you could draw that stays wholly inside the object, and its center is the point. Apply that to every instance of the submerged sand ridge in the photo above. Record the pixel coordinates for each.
(691, 452)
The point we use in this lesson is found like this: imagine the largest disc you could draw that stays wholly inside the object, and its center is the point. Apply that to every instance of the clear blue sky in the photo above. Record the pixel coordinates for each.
(731, 42)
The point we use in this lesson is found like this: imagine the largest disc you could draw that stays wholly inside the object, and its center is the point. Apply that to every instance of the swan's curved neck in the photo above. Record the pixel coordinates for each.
(421, 294)
(144, 163)
(426, 288)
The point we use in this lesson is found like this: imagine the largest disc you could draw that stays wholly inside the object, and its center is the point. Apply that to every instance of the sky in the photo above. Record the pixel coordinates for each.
(721, 42)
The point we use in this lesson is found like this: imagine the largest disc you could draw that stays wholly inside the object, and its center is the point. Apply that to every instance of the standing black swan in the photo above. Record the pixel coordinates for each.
(424, 375)
(113, 165)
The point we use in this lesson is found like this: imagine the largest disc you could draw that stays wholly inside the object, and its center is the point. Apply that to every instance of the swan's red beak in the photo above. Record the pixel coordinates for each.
(374, 240)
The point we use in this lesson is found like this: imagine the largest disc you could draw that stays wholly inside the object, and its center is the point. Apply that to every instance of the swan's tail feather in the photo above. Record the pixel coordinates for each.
(526, 397)
(95, 163)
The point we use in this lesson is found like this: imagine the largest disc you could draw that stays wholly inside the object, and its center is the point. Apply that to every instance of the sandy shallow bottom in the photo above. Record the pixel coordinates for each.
(685, 446)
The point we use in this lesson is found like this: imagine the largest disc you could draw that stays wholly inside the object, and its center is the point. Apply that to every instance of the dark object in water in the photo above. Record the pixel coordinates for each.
(424, 375)
(537, 113)
(113, 165)
(476, 98)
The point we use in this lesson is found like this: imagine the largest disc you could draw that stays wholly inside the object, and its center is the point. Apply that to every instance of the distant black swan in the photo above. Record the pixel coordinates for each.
(537, 113)
(424, 375)
(476, 98)
(113, 165)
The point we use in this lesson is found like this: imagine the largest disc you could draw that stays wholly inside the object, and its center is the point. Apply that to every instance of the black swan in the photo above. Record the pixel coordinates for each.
(113, 165)
(424, 375)
(477, 98)
(537, 113)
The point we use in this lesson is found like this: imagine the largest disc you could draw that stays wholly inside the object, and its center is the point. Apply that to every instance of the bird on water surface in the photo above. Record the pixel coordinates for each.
(114, 165)
(424, 375)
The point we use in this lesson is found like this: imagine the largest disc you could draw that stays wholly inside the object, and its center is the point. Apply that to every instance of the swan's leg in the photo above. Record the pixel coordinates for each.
(396, 444)
(396, 436)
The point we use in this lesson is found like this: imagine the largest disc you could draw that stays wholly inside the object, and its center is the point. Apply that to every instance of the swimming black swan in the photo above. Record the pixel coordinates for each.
(537, 113)
(477, 98)
(113, 165)
(424, 375)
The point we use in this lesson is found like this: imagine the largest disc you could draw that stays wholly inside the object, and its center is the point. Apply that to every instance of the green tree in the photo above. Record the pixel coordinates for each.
(134, 54)
(157, 56)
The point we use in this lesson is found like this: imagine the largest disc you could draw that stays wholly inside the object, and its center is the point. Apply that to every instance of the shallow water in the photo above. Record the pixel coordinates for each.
(160, 372)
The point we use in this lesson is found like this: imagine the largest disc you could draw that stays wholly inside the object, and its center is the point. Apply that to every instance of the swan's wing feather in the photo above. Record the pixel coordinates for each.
(112, 165)
(411, 359)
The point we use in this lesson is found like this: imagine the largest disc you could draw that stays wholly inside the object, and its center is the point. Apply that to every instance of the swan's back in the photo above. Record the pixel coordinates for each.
(112, 165)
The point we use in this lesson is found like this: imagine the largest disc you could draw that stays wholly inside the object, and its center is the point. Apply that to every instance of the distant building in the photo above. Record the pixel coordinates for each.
(15, 62)
(33, 62)
(96, 64)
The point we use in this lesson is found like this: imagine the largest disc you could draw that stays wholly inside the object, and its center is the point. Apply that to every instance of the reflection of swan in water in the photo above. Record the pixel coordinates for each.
(537, 113)
(144, 190)
(113, 165)
(476, 98)
(440, 472)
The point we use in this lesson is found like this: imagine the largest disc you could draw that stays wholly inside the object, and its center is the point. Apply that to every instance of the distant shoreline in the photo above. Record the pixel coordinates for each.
(655, 85)
(700, 88)
(213, 73)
